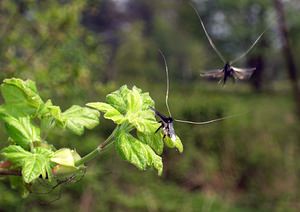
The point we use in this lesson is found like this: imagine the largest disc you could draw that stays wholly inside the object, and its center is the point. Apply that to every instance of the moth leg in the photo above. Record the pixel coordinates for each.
(159, 126)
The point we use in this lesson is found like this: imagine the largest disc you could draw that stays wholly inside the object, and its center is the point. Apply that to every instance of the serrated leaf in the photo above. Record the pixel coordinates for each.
(48, 111)
(21, 97)
(174, 144)
(129, 105)
(109, 111)
(33, 164)
(144, 121)
(15, 154)
(118, 99)
(21, 130)
(77, 118)
(154, 140)
(137, 153)
(134, 101)
(37, 164)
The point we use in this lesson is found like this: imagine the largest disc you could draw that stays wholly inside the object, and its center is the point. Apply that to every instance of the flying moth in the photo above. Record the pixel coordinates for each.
(167, 121)
(228, 71)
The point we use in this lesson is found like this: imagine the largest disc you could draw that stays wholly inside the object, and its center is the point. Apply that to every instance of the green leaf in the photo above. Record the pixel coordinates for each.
(118, 99)
(137, 153)
(48, 111)
(109, 111)
(77, 118)
(21, 97)
(134, 101)
(154, 140)
(174, 144)
(129, 105)
(15, 154)
(21, 130)
(37, 164)
(33, 164)
(143, 121)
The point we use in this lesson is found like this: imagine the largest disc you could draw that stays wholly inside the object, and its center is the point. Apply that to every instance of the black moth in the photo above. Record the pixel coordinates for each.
(228, 71)
(167, 122)
(167, 125)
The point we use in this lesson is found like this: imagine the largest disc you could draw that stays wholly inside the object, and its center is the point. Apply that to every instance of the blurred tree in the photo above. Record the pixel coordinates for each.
(287, 53)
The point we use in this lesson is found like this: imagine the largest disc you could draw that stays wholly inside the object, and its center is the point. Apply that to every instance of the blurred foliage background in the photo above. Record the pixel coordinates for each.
(79, 51)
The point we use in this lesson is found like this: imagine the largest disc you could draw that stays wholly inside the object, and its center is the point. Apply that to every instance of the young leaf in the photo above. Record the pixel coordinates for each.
(118, 99)
(65, 157)
(15, 154)
(37, 164)
(21, 97)
(139, 154)
(33, 164)
(154, 140)
(131, 106)
(174, 144)
(144, 121)
(21, 130)
(50, 111)
(134, 101)
(109, 111)
(77, 118)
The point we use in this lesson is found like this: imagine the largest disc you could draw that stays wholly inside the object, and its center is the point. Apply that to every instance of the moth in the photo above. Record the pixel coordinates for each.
(167, 122)
(228, 71)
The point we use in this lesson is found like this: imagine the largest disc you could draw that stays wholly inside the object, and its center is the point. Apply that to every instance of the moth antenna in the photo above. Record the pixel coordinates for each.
(208, 122)
(250, 48)
(168, 82)
(207, 35)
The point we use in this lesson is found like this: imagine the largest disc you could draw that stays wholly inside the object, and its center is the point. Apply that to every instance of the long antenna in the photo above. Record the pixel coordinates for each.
(251, 47)
(210, 121)
(168, 83)
(207, 35)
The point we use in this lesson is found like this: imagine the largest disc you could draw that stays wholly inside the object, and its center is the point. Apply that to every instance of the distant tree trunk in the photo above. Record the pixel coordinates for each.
(287, 53)
(257, 78)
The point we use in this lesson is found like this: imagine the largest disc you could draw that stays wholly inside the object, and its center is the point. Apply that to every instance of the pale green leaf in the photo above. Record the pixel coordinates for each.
(118, 99)
(21, 130)
(37, 164)
(48, 111)
(154, 140)
(137, 153)
(15, 154)
(134, 101)
(33, 164)
(174, 144)
(109, 111)
(20, 97)
(77, 118)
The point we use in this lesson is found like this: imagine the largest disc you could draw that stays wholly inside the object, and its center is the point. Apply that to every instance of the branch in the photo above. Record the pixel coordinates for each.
(5, 172)
(5, 164)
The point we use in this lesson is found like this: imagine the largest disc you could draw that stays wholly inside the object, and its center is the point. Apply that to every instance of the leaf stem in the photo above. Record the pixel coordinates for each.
(98, 150)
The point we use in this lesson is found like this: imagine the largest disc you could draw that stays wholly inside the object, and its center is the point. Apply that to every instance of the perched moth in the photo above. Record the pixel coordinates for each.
(167, 122)
(228, 71)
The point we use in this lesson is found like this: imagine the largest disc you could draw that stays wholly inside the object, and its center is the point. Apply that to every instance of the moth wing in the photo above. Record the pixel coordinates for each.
(172, 131)
(242, 73)
(161, 116)
(213, 74)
